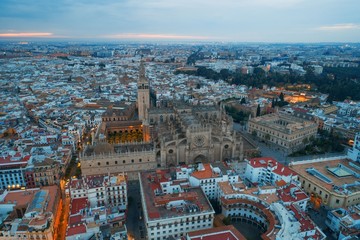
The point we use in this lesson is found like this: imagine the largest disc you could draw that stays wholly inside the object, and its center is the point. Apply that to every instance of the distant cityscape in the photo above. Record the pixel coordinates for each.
(179, 141)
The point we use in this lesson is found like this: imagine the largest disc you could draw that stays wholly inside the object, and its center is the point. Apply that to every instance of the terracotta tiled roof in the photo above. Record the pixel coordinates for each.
(297, 195)
(205, 173)
(224, 232)
(74, 220)
(264, 162)
(77, 204)
(75, 230)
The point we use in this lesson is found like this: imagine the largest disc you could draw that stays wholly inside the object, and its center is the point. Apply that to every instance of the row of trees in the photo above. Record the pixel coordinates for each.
(238, 116)
(325, 143)
(123, 137)
(339, 83)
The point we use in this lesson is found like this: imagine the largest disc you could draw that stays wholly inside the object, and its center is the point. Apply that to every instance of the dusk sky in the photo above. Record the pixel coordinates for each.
(208, 20)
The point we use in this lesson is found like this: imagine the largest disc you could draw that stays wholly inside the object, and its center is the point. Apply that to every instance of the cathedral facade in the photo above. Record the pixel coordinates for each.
(160, 137)
(190, 134)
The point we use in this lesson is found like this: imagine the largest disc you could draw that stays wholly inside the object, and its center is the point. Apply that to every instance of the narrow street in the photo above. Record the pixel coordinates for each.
(64, 213)
(319, 217)
(134, 220)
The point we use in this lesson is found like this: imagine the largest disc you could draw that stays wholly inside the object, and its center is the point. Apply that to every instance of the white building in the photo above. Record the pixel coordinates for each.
(223, 232)
(207, 176)
(101, 190)
(99, 200)
(12, 168)
(292, 194)
(271, 210)
(344, 222)
(266, 170)
(182, 209)
(354, 152)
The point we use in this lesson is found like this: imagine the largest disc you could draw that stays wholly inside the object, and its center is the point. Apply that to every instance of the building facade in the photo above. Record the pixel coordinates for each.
(30, 214)
(105, 158)
(191, 134)
(266, 170)
(100, 190)
(12, 171)
(143, 93)
(354, 152)
(175, 213)
(333, 182)
(159, 137)
(286, 132)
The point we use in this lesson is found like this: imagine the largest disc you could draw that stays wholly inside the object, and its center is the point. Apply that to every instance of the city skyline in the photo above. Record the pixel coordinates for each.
(199, 20)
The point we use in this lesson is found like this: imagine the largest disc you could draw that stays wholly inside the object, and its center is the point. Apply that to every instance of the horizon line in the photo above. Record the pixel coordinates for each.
(146, 40)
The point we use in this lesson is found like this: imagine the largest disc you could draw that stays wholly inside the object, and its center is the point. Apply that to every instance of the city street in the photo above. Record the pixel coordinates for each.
(319, 217)
(134, 221)
(64, 212)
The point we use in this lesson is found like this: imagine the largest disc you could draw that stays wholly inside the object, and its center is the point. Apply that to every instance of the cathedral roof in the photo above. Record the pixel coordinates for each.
(103, 148)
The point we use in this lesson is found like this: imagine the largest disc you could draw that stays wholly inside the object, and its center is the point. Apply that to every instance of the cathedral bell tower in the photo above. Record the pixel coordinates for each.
(143, 98)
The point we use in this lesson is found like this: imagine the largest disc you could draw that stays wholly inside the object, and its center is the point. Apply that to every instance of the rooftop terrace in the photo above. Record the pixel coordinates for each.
(161, 206)
(333, 174)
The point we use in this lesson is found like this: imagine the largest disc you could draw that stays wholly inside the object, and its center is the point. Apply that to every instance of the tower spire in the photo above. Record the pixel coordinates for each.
(142, 77)
(143, 99)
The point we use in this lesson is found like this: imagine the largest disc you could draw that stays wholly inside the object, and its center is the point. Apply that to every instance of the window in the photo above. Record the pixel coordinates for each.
(132, 160)
(124, 161)
(337, 201)
(98, 164)
(115, 162)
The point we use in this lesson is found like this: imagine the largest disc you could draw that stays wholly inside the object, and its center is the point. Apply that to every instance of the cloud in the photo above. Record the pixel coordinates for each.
(26, 34)
(339, 27)
(240, 20)
(155, 36)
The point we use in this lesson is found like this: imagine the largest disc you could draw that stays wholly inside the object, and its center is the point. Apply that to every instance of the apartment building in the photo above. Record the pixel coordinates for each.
(30, 214)
(267, 170)
(172, 214)
(100, 190)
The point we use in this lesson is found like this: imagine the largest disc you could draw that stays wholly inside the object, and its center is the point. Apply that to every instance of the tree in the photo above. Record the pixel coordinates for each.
(330, 99)
(306, 141)
(281, 97)
(267, 137)
(259, 72)
(224, 73)
(227, 220)
(258, 110)
(254, 133)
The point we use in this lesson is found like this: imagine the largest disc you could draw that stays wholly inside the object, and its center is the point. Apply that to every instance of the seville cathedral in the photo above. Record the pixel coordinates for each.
(135, 137)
